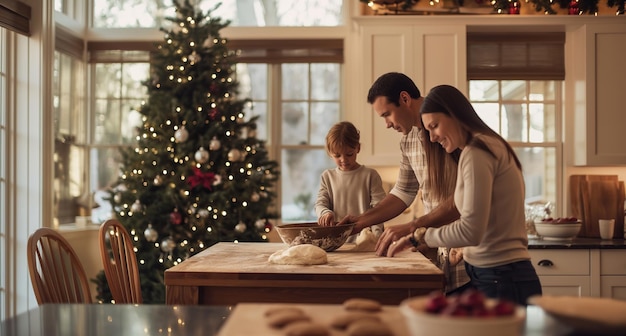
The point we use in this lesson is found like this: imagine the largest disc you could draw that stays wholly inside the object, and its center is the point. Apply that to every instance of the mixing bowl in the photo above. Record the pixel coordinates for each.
(328, 238)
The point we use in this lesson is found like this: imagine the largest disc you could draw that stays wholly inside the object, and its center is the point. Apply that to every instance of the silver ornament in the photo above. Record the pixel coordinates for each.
(158, 180)
(117, 198)
(234, 155)
(260, 224)
(181, 134)
(202, 155)
(215, 144)
(168, 244)
(255, 197)
(194, 58)
(151, 234)
(241, 227)
(203, 213)
(136, 207)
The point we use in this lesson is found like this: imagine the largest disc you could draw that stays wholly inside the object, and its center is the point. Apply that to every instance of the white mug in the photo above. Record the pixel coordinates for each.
(606, 228)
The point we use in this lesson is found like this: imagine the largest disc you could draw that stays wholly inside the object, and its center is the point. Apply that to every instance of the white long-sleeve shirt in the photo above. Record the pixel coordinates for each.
(489, 195)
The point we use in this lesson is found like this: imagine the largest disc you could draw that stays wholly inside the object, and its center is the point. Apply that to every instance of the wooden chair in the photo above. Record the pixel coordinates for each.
(56, 274)
(120, 262)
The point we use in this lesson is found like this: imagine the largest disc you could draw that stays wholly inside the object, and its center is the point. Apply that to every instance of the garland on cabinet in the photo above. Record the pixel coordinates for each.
(574, 7)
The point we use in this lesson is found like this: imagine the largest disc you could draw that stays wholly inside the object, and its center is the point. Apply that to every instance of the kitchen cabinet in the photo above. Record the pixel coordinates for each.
(581, 271)
(613, 274)
(431, 54)
(595, 80)
(563, 272)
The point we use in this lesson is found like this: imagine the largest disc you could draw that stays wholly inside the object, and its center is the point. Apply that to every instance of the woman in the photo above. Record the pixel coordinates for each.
(489, 196)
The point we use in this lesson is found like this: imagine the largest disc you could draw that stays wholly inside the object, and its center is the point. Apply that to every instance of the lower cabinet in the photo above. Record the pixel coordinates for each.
(563, 272)
(581, 272)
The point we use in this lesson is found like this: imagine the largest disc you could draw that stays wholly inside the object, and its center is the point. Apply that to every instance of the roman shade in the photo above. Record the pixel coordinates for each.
(529, 56)
(15, 16)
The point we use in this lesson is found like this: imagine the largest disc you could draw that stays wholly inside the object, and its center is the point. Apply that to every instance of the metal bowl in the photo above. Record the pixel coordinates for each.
(328, 238)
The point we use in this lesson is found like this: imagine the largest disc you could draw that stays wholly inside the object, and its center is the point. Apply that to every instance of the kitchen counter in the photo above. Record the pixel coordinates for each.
(576, 243)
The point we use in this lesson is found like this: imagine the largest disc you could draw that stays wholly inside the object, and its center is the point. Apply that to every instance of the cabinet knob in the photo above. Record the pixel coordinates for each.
(545, 263)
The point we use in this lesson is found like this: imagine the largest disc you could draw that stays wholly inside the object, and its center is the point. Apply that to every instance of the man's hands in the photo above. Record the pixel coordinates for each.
(455, 255)
(394, 239)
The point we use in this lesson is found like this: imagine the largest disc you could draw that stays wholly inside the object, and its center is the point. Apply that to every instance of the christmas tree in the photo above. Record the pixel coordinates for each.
(197, 174)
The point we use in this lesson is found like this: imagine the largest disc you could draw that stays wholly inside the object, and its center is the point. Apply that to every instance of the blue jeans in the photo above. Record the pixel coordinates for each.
(515, 282)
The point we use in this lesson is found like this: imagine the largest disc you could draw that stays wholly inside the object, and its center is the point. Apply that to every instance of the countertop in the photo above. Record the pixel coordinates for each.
(576, 243)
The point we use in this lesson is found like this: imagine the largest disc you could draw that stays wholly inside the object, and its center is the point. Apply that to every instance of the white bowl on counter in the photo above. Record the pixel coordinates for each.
(422, 323)
(557, 231)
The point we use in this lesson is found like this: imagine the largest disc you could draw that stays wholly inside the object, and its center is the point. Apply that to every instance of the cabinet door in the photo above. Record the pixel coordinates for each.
(613, 287)
(599, 135)
(561, 285)
(430, 55)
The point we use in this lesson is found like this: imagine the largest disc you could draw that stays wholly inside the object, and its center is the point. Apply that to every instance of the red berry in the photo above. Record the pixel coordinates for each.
(504, 308)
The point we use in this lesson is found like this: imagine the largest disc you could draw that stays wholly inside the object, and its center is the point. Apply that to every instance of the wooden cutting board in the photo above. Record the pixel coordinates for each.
(602, 200)
(575, 191)
(249, 319)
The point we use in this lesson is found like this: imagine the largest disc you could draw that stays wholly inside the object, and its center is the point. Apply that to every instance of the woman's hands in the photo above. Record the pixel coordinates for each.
(393, 240)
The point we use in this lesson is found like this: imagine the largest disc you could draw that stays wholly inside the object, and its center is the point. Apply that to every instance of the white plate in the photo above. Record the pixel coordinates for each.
(597, 316)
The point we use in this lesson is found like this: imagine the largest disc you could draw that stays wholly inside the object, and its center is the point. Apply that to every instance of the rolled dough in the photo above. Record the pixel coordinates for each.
(305, 254)
(365, 241)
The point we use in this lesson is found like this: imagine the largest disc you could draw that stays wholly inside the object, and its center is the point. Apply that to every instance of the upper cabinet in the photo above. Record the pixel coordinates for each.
(596, 78)
(429, 54)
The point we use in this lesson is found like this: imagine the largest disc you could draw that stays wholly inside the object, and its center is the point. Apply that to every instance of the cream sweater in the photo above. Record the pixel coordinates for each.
(489, 195)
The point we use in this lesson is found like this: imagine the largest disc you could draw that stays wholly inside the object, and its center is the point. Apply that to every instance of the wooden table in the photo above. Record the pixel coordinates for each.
(230, 273)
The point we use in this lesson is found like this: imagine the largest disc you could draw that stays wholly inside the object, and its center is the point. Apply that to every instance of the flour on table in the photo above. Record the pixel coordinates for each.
(365, 241)
(305, 254)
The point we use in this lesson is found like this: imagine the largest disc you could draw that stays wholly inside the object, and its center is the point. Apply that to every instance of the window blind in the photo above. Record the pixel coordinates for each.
(527, 56)
(15, 16)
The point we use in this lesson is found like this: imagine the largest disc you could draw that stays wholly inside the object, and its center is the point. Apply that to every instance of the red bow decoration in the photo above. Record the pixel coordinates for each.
(201, 179)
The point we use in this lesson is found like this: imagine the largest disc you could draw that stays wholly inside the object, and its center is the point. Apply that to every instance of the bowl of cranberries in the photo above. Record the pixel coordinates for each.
(468, 314)
(558, 228)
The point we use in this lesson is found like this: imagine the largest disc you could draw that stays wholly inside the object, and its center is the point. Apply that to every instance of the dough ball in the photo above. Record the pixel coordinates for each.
(344, 320)
(362, 304)
(370, 328)
(305, 254)
(365, 241)
(306, 328)
(280, 309)
(281, 319)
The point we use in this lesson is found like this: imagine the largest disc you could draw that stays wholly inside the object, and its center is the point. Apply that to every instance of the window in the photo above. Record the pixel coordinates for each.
(251, 13)
(526, 114)
(70, 195)
(307, 98)
(117, 91)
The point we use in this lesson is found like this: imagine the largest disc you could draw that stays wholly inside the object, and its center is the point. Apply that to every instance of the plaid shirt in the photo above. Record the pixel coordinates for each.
(412, 178)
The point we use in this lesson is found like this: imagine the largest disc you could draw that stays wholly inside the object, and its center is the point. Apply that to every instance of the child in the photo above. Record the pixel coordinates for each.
(350, 188)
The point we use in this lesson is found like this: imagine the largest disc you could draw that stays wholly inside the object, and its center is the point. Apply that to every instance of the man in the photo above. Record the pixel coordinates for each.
(396, 99)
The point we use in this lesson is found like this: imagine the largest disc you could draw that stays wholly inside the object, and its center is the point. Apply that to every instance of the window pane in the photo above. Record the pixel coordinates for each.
(325, 83)
(107, 121)
(324, 116)
(253, 84)
(542, 90)
(295, 81)
(251, 13)
(490, 114)
(105, 167)
(300, 172)
(484, 90)
(514, 122)
(107, 80)
(513, 90)
(295, 122)
(539, 169)
(133, 75)
(543, 123)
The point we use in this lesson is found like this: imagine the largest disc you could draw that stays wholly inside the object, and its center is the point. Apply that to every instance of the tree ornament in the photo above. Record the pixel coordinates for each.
(136, 207)
(203, 213)
(202, 179)
(251, 133)
(215, 144)
(194, 58)
(513, 7)
(158, 180)
(151, 234)
(240, 227)
(260, 224)
(218, 180)
(168, 244)
(573, 8)
(181, 134)
(175, 217)
(117, 197)
(202, 155)
(268, 225)
(255, 197)
(208, 43)
(234, 155)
